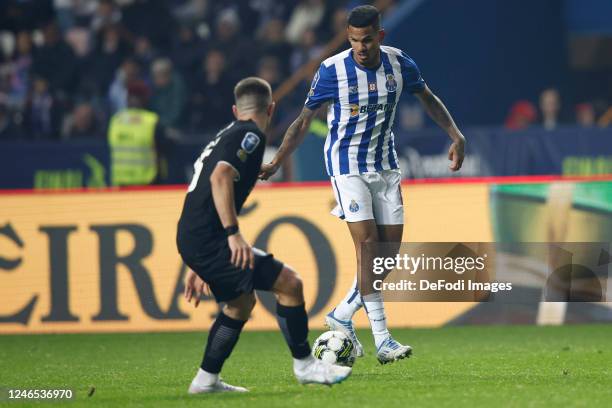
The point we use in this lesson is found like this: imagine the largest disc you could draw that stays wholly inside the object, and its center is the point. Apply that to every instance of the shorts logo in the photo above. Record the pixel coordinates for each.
(250, 142)
(354, 110)
(354, 207)
(391, 83)
(353, 89)
(372, 87)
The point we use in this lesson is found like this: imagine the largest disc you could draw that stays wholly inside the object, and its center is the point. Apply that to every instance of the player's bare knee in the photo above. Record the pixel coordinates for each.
(297, 286)
(289, 286)
(240, 309)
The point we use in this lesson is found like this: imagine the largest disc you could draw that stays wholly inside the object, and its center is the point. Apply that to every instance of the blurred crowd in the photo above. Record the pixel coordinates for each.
(66, 65)
(550, 112)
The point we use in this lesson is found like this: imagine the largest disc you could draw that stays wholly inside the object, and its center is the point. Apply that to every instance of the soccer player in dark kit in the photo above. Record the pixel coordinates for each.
(210, 243)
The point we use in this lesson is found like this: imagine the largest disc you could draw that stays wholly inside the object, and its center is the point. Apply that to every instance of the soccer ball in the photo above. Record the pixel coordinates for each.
(334, 347)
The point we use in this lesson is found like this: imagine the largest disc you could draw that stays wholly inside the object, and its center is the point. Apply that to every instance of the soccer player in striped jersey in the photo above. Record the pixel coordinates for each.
(362, 87)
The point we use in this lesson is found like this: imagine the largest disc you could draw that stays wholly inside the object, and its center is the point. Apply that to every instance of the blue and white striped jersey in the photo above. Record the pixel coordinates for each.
(361, 111)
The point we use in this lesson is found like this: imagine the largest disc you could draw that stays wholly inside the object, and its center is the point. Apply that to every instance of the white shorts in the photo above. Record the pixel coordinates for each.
(369, 196)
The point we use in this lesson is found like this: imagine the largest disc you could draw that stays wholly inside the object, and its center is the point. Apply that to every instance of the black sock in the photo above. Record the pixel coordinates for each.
(222, 338)
(293, 322)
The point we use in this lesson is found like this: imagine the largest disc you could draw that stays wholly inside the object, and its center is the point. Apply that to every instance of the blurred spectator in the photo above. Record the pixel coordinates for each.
(305, 51)
(271, 10)
(17, 70)
(187, 52)
(191, 11)
(82, 123)
(109, 54)
(269, 69)
(306, 15)
(72, 12)
(151, 19)
(522, 115)
(8, 129)
(210, 106)
(107, 13)
(17, 15)
(144, 52)
(169, 97)
(333, 20)
(239, 51)
(585, 115)
(550, 108)
(272, 42)
(117, 94)
(42, 113)
(55, 61)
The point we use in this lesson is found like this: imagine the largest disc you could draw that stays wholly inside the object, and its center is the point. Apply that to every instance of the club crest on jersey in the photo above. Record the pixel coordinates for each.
(391, 83)
(372, 87)
(353, 89)
(354, 110)
(354, 207)
(250, 142)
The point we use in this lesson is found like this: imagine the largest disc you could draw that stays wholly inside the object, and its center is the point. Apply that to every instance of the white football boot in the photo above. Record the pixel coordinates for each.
(390, 351)
(218, 386)
(320, 372)
(346, 327)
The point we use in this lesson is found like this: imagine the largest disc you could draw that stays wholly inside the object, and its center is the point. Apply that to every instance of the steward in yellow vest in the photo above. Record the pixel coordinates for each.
(132, 141)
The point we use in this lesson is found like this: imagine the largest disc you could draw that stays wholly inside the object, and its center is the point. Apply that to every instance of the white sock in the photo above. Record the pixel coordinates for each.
(205, 378)
(300, 364)
(350, 304)
(375, 309)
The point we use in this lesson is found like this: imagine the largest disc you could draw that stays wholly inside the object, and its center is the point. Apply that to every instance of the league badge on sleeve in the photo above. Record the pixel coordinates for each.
(250, 142)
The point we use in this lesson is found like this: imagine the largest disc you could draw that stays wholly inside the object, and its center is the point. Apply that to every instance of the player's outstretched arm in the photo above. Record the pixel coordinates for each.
(292, 139)
(222, 186)
(438, 112)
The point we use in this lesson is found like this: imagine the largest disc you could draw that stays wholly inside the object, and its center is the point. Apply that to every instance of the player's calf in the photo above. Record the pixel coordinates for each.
(293, 322)
(222, 339)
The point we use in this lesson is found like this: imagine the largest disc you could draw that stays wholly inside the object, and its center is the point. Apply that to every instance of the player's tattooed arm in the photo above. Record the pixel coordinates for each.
(438, 112)
(292, 139)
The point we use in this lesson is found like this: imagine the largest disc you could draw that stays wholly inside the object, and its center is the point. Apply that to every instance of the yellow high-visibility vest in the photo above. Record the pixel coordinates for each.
(131, 138)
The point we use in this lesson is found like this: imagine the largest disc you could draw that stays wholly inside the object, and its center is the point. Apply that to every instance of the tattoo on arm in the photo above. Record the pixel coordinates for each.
(436, 110)
(295, 133)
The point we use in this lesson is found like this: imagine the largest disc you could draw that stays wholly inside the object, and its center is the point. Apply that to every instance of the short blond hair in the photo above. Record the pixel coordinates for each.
(252, 94)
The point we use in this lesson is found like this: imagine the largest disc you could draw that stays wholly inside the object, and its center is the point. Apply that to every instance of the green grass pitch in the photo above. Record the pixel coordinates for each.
(518, 366)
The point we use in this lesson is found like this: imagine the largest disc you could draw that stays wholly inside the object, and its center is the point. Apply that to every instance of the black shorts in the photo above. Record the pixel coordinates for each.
(227, 281)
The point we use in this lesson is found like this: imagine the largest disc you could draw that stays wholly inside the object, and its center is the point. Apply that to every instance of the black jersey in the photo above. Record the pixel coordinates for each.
(241, 145)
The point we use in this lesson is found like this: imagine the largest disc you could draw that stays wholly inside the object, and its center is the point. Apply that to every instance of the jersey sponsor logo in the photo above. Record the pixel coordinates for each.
(391, 83)
(372, 87)
(354, 207)
(375, 107)
(250, 142)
